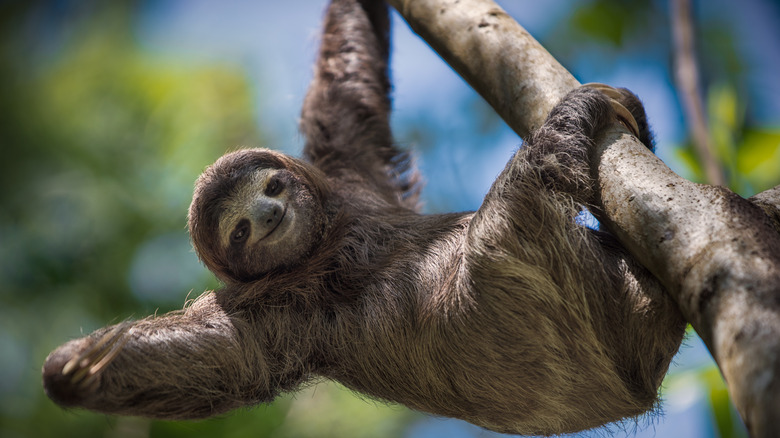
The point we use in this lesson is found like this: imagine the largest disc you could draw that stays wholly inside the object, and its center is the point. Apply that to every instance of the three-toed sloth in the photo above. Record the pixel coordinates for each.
(513, 317)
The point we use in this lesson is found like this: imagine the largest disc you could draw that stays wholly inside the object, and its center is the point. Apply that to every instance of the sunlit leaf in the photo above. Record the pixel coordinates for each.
(690, 160)
(759, 158)
(722, 409)
(600, 20)
(723, 107)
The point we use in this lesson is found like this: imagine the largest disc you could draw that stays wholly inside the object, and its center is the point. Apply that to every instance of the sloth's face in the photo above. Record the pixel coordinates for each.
(262, 212)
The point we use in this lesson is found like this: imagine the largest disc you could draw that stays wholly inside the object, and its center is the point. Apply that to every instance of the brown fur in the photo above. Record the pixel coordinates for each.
(512, 317)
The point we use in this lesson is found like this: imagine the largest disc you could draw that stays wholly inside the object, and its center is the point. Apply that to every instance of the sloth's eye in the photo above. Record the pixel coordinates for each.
(241, 233)
(274, 187)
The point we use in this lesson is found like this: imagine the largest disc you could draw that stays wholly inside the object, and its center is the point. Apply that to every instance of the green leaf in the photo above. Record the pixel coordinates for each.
(687, 156)
(600, 20)
(724, 108)
(726, 421)
(759, 158)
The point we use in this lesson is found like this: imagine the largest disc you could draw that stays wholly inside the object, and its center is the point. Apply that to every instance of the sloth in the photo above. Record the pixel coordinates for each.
(514, 317)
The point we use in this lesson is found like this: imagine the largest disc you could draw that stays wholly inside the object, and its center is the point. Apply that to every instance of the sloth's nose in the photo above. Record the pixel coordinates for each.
(266, 214)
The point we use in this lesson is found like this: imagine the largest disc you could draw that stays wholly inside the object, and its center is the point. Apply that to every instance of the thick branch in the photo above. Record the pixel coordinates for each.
(719, 257)
(494, 54)
(769, 201)
(717, 253)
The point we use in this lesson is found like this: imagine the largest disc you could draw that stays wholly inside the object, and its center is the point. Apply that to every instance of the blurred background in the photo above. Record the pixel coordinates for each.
(110, 110)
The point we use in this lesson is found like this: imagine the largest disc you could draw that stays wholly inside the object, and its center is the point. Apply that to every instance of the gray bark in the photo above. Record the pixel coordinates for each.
(716, 253)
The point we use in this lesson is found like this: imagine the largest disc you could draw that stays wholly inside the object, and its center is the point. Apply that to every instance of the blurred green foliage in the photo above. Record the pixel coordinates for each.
(749, 155)
(612, 21)
(101, 150)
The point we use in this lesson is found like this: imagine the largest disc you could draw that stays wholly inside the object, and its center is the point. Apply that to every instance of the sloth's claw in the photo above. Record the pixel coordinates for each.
(85, 367)
(624, 115)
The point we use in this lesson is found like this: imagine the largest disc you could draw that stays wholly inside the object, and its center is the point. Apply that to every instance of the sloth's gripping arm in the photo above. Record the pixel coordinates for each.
(553, 167)
(190, 364)
(346, 113)
(575, 284)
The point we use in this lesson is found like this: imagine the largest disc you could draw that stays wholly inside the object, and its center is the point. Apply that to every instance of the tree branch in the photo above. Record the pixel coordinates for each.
(686, 74)
(494, 54)
(718, 256)
(716, 253)
(769, 201)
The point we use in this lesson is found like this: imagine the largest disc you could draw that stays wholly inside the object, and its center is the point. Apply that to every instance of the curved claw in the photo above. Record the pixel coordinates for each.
(624, 115)
(85, 367)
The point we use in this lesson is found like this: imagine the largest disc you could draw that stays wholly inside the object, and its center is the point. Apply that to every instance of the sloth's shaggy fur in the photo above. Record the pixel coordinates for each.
(513, 317)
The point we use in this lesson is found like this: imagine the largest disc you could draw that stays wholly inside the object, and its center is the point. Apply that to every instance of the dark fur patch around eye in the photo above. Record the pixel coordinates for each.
(241, 233)
(274, 187)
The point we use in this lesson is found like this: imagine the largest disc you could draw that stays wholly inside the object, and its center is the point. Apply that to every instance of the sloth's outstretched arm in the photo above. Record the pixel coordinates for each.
(189, 364)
